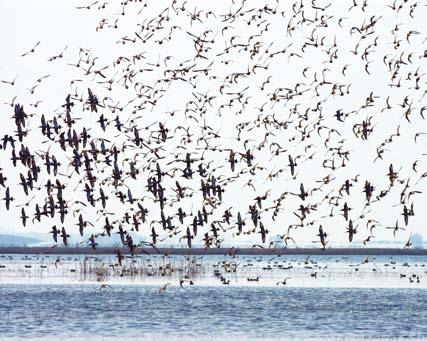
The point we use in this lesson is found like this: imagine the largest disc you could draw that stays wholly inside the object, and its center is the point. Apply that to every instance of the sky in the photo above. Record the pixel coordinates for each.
(61, 27)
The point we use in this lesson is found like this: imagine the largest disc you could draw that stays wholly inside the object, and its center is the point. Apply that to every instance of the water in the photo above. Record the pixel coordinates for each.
(231, 312)
(315, 271)
(386, 297)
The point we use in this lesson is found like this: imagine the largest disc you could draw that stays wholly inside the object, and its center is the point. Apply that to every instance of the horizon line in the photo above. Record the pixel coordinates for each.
(4, 250)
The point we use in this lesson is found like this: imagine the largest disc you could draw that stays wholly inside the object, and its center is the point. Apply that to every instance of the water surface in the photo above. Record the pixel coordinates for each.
(83, 310)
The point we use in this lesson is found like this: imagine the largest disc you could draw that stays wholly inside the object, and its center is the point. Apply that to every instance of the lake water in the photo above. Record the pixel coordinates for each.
(229, 312)
(339, 302)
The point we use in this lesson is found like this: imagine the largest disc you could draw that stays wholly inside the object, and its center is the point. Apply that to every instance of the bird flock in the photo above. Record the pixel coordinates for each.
(208, 123)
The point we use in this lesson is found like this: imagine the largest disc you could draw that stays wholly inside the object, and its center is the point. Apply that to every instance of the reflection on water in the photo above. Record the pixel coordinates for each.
(141, 311)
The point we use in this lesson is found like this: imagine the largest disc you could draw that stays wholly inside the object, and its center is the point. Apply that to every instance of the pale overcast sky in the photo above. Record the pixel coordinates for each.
(60, 26)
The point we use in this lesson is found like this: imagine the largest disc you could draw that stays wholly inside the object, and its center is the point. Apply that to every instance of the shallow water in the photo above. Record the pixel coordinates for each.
(386, 297)
(315, 271)
(197, 311)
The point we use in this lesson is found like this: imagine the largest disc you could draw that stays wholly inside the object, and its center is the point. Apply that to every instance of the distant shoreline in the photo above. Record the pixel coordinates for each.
(218, 251)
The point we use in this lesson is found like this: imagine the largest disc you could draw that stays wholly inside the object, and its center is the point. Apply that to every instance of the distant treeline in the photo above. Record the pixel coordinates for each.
(217, 251)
